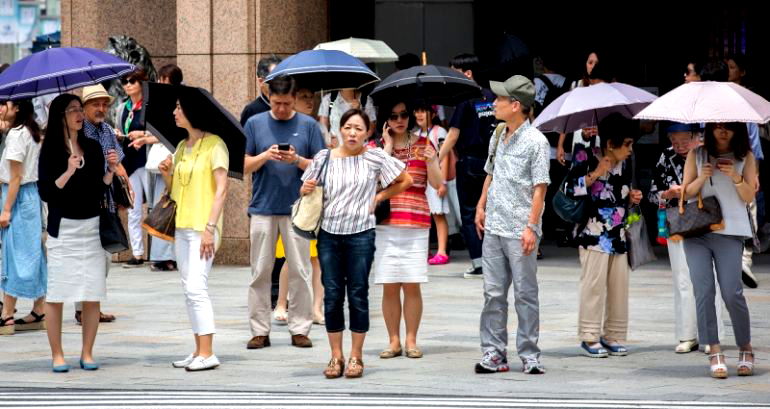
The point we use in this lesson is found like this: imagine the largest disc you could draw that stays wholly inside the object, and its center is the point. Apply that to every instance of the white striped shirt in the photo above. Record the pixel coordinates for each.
(350, 187)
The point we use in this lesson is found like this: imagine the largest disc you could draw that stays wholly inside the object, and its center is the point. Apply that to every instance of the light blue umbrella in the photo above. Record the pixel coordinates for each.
(59, 69)
(325, 70)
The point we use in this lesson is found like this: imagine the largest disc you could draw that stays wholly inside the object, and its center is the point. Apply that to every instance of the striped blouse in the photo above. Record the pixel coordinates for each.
(350, 187)
(410, 209)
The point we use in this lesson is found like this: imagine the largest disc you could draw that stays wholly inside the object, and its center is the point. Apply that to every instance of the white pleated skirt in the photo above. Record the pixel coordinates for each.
(401, 255)
(77, 268)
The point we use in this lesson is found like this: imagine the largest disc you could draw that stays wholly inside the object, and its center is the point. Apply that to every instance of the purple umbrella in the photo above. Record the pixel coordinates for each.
(59, 69)
(586, 106)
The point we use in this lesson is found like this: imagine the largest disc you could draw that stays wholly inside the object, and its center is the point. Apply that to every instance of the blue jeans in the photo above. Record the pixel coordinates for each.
(345, 264)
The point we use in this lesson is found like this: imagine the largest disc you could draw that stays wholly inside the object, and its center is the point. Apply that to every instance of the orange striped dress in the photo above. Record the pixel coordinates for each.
(410, 209)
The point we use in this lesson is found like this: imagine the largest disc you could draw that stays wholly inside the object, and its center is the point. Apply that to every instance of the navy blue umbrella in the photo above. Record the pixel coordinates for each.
(59, 69)
(325, 70)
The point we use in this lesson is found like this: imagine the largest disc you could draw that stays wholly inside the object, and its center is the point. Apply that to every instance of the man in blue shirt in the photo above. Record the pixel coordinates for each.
(280, 144)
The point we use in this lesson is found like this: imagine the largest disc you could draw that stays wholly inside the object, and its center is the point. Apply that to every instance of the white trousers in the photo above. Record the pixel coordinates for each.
(195, 275)
(135, 215)
(684, 299)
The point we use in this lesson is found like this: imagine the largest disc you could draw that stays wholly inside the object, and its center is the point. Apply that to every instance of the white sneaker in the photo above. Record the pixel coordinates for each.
(202, 364)
(183, 363)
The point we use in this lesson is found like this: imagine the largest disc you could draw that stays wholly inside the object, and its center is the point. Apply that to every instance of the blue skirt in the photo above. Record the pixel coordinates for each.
(24, 273)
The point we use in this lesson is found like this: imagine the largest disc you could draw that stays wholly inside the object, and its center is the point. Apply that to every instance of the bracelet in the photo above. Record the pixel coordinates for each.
(296, 161)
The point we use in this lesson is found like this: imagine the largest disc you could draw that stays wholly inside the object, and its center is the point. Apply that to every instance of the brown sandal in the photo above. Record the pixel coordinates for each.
(334, 368)
(355, 368)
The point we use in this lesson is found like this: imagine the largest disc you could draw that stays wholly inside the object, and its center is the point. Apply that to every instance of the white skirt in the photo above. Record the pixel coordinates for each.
(438, 205)
(401, 255)
(77, 267)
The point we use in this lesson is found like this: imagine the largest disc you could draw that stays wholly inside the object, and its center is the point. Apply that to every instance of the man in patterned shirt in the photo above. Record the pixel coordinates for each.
(96, 102)
(509, 215)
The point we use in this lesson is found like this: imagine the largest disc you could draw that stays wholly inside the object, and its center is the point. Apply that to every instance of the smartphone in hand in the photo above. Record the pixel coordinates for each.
(284, 146)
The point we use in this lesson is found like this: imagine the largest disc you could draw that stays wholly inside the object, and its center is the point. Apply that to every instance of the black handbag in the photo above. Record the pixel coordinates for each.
(111, 232)
(570, 209)
(121, 193)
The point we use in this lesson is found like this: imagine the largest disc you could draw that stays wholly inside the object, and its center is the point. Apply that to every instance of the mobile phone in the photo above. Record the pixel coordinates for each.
(284, 146)
(724, 161)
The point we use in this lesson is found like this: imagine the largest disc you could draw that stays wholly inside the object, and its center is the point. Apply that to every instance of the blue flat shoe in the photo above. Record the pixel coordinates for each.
(615, 350)
(88, 366)
(593, 352)
(60, 368)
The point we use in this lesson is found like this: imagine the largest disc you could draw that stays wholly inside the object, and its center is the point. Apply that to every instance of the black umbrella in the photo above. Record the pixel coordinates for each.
(160, 102)
(430, 84)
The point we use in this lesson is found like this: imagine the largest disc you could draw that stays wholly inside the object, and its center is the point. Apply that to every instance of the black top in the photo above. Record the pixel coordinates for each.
(82, 196)
(476, 121)
(257, 106)
(133, 159)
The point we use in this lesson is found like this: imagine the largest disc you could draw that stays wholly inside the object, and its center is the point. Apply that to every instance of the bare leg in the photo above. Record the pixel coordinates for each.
(391, 312)
(412, 313)
(90, 319)
(318, 291)
(335, 342)
(9, 305)
(197, 345)
(39, 305)
(442, 232)
(357, 349)
(53, 312)
(204, 345)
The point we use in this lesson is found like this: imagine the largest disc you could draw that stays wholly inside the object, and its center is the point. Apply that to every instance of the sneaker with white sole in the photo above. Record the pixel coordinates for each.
(492, 362)
(200, 363)
(532, 366)
(183, 363)
(473, 272)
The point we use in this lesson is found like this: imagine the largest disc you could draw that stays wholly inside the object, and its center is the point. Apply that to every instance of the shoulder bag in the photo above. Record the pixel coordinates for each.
(307, 211)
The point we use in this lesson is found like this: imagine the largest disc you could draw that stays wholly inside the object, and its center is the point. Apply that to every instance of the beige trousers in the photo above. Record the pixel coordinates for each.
(603, 296)
(264, 234)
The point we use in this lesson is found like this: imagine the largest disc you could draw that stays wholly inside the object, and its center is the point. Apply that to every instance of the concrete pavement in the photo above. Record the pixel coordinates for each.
(152, 330)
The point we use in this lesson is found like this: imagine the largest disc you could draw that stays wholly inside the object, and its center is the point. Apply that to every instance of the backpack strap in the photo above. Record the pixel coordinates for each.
(332, 98)
(499, 130)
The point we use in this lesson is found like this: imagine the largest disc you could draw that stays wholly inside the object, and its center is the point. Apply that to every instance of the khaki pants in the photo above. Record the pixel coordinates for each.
(603, 296)
(264, 234)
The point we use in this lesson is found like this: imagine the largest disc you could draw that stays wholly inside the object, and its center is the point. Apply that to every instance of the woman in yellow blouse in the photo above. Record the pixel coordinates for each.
(198, 184)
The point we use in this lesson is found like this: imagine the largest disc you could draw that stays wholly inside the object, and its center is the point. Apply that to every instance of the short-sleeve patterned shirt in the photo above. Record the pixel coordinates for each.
(519, 165)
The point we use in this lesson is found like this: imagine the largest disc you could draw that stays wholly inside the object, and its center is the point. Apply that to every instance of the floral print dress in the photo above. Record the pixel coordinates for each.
(608, 204)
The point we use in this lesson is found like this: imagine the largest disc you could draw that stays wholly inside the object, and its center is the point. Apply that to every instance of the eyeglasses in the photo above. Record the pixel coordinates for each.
(396, 116)
(125, 81)
(78, 110)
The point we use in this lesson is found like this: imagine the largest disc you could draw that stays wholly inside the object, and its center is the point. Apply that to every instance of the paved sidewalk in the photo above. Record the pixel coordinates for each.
(152, 330)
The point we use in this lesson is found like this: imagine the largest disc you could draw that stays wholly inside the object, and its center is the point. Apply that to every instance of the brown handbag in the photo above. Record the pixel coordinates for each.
(161, 222)
(694, 219)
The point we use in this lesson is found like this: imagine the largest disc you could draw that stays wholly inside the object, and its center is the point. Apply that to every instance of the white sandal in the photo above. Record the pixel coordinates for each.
(745, 367)
(718, 370)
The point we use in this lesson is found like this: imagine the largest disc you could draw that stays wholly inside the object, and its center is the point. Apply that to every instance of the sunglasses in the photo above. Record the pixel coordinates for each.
(401, 115)
(125, 81)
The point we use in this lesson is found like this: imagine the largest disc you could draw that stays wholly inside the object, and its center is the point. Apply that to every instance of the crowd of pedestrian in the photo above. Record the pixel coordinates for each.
(389, 173)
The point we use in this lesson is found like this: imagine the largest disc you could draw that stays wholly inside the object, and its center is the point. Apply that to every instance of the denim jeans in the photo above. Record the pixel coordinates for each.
(345, 264)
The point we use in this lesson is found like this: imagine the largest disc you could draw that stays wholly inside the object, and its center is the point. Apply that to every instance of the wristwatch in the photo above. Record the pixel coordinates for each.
(535, 229)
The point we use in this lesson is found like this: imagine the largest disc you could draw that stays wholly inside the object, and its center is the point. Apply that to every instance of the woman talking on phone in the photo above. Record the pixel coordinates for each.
(723, 167)
(400, 262)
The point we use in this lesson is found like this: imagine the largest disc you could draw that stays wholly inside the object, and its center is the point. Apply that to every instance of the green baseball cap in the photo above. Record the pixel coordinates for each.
(518, 87)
